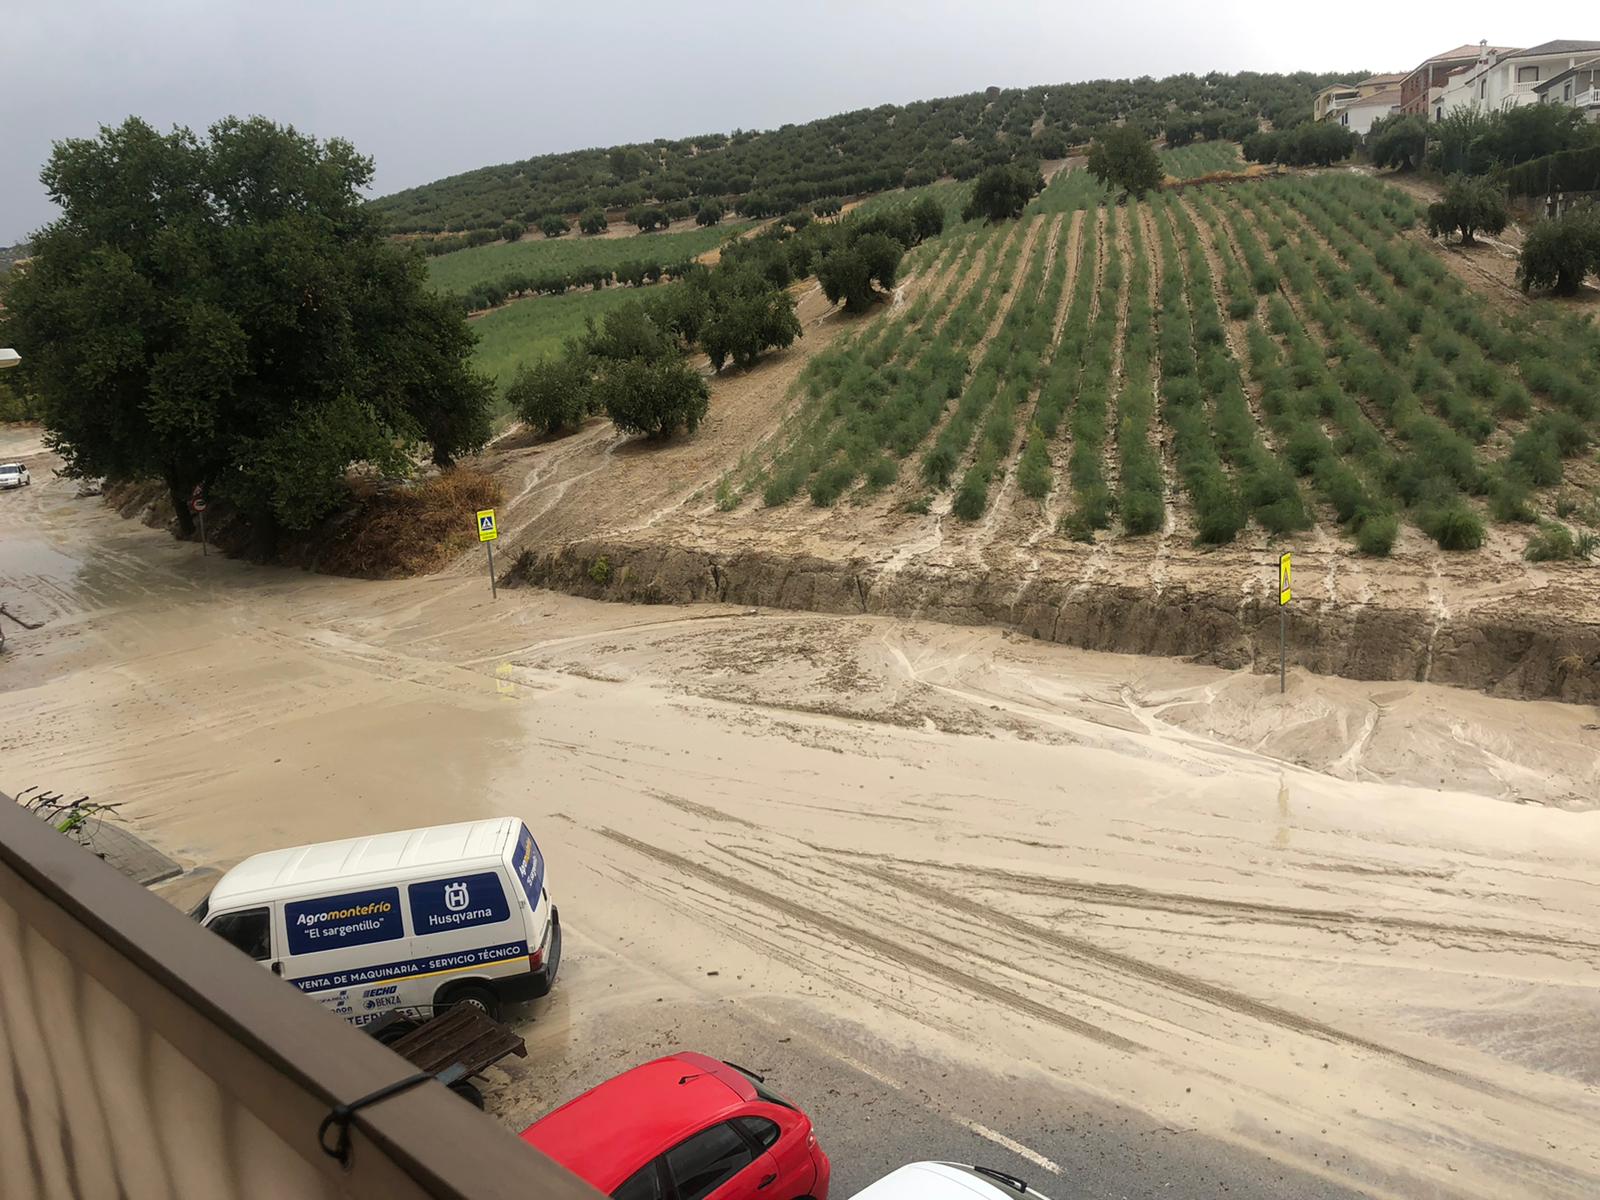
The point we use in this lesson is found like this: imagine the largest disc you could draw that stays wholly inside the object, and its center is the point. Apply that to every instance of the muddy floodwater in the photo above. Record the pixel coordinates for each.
(1350, 932)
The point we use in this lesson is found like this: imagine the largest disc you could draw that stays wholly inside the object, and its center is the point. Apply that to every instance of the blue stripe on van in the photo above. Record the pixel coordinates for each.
(433, 964)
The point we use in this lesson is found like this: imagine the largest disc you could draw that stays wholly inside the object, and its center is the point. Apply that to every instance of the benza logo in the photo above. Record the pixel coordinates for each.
(456, 896)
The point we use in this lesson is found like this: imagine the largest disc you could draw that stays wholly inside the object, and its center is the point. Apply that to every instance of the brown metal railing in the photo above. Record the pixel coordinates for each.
(143, 1057)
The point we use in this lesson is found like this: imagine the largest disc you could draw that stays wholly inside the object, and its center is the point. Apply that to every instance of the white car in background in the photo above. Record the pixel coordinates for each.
(14, 475)
(946, 1181)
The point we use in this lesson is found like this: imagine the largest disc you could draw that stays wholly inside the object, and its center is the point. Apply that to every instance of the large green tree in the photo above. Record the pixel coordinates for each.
(1002, 192)
(748, 314)
(225, 311)
(653, 396)
(1469, 204)
(849, 269)
(1398, 141)
(1123, 157)
(1558, 254)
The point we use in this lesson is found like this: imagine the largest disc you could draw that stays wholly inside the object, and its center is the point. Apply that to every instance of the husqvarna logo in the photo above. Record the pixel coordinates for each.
(456, 896)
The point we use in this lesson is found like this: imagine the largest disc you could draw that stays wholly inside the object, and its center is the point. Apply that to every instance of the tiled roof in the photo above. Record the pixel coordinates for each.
(1379, 99)
(1468, 51)
(1372, 79)
(1562, 46)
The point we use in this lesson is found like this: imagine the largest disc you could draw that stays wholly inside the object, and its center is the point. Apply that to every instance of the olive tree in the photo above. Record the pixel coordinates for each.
(655, 397)
(1123, 157)
(1557, 254)
(1002, 192)
(1469, 204)
(553, 395)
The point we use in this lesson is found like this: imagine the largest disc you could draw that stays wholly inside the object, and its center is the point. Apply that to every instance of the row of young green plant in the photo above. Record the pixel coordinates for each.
(1446, 370)
(1462, 358)
(1458, 347)
(1438, 466)
(1201, 158)
(1322, 433)
(873, 392)
(918, 403)
(1059, 385)
(1013, 367)
(1208, 398)
(879, 409)
(1140, 486)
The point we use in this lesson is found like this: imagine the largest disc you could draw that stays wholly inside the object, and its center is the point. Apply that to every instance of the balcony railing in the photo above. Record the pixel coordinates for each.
(158, 1060)
(1588, 99)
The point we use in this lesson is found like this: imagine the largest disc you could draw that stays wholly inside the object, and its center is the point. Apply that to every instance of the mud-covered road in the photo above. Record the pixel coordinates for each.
(1123, 926)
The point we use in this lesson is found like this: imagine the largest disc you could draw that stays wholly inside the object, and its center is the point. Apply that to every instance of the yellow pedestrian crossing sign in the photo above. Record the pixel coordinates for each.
(486, 529)
(1283, 579)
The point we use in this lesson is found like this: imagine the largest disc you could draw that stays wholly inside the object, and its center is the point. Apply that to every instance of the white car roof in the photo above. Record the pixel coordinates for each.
(357, 861)
(936, 1181)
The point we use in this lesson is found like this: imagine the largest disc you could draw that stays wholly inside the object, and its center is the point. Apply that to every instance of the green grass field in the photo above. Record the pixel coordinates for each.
(533, 256)
(1201, 158)
(528, 330)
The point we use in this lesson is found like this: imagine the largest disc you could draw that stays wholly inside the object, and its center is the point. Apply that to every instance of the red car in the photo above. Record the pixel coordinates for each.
(686, 1127)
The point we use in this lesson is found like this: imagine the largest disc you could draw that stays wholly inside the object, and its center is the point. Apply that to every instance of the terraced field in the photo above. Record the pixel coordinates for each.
(1281, 356)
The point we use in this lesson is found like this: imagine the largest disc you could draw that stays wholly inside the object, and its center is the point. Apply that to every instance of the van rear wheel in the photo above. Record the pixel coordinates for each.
(468, 1092)
(475, 994)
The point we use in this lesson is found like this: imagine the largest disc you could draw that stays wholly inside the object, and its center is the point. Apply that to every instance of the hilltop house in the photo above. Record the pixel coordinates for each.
(1576, 87)
(1503, 81)
(1359, 115)
(1421, 88)
(1331, 101)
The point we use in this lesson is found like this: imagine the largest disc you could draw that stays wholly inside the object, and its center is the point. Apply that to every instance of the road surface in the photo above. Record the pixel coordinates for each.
(1120, 926)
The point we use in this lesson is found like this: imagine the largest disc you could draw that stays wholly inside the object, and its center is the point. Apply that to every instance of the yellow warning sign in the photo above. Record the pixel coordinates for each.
(486, 530)
(1283, 579)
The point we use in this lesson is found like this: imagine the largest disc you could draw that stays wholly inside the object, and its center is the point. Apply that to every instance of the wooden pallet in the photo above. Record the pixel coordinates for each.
(462, 1035)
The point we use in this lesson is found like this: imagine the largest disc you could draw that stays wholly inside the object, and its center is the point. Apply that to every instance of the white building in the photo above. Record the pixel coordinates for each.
(1358, 115)
(1577, 87)
(1330, 101)
(1498, 82)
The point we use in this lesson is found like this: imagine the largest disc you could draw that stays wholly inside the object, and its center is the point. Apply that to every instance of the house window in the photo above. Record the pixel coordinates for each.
(1483, 88)
(1527, 74)
(1566, 92)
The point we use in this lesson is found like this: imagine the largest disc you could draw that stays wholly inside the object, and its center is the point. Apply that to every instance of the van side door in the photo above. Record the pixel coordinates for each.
(250, 930)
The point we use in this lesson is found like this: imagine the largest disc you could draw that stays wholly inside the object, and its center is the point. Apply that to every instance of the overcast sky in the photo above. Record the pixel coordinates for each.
(432, 89)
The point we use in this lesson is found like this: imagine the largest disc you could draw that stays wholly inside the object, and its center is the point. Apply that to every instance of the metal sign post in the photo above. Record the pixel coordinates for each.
(1283, 619)
(487, 533)
(197, 505)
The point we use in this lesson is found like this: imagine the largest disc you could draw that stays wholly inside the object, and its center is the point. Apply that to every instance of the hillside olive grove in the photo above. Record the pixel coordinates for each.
(767, 173)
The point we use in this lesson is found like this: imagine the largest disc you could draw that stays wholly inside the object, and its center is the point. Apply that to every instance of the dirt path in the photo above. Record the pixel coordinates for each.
(1313, 930)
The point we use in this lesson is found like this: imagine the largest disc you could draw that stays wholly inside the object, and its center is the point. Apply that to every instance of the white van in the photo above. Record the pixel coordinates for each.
(399, 922)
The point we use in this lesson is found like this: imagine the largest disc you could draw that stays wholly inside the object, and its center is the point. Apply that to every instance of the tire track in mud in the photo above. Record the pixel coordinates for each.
(1186, 904)
(1209, 993)
(903, 955)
